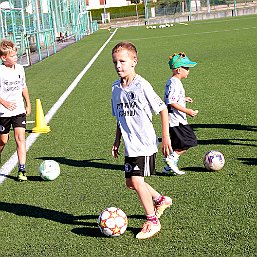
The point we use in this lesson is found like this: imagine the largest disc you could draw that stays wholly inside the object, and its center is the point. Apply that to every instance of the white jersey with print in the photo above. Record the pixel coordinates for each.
(132, 106)
(12, 82)
(174, 92)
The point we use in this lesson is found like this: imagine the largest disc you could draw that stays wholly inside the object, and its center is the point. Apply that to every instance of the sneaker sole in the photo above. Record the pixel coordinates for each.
(172, 172)
(22, 180)
(142, 238)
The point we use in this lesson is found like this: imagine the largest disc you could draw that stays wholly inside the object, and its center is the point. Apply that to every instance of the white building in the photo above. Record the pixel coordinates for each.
(96, 4)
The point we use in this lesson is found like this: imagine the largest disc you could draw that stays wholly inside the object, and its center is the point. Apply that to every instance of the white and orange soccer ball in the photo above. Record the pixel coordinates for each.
(213, 160)
(112, 221)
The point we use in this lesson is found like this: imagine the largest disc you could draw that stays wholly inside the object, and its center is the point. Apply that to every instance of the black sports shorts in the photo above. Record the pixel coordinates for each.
(18, 121)
(140, 166)
(182, 137)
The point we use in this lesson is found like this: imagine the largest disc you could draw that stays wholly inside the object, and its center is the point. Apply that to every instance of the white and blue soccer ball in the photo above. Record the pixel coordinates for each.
(213, 160)
(112, 222)
(49, 170)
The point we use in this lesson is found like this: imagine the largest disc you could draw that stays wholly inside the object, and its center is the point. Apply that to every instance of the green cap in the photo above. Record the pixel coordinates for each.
(180, 60)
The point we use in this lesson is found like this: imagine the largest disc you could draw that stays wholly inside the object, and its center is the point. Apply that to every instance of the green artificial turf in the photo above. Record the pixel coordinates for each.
(213, 214)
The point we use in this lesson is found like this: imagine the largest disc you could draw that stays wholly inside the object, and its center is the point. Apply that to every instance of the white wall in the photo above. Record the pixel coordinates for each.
(95, 4)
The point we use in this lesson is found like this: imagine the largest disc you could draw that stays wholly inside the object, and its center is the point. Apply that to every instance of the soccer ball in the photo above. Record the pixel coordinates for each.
(112, 222)
(213, 160)
(49, 170)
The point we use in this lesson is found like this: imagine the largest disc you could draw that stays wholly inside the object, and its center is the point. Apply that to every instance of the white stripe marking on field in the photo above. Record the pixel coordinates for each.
(195, 33)
(7, 168)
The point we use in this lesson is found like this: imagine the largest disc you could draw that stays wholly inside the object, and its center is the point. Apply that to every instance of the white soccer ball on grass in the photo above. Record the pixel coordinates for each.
(213, 160)
(49, 170)
(112, 222)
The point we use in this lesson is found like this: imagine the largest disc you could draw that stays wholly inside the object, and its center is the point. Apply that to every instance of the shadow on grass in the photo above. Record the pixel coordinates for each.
(225, 141)
(248, 161)
(30, 178)
(38, 212)
(230, 141)
(95, 232)
(226, 126)
(88, 229)
(84, 163)
(192, 169)
(196, 169)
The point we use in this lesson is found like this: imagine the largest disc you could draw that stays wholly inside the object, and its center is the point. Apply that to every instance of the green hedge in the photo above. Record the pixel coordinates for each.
(118, 12)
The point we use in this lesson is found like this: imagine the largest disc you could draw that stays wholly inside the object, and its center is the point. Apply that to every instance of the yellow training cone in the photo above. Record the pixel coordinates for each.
(41, 126)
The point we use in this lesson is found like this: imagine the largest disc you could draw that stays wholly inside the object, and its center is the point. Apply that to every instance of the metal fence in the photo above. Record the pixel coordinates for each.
(36, 25)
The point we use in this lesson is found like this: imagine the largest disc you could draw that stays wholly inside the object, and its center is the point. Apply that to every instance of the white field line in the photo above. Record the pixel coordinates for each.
(195, 33)
(7, 168)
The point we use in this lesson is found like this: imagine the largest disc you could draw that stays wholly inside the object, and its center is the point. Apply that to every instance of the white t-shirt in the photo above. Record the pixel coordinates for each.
(174, 92)
(12, 82)
(132, 106)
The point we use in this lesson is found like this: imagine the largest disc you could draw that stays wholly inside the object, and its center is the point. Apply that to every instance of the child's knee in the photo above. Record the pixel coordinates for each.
(4, 139)
(129, 184)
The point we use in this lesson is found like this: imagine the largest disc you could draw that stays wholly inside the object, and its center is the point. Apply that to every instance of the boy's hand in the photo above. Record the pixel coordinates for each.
(166, 146)
(189, 99)
(192, 113)
(28, 110)
(10, 106)
(115, 151)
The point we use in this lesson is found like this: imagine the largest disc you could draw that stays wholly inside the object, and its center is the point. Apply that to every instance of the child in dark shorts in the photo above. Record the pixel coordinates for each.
(14, 103)
(133, 100)
(181, 134)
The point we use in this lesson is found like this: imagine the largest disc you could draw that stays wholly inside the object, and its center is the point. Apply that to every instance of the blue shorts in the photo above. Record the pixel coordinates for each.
(18, 121)
(140, 166)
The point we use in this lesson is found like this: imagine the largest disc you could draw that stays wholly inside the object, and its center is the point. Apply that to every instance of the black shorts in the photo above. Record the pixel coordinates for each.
(182, 137)
(140, 166)
(18, 121)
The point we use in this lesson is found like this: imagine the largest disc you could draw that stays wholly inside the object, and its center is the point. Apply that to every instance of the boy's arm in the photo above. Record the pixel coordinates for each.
(166, 144)
(116, 144)
(8, 105)
(187, 111)
(25, 94)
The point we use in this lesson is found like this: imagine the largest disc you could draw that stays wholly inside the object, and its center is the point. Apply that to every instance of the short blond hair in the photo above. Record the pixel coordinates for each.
(125, 46)
(6, 46)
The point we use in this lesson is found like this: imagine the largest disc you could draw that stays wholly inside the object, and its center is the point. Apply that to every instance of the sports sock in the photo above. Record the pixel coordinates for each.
(159, 199)
(153, 218)
(21, 167)
(175, 155)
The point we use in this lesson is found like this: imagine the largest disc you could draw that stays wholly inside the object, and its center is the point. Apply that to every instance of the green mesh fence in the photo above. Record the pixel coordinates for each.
(40, 24)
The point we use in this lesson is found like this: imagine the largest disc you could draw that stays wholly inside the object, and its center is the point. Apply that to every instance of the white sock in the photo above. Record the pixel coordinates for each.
(175, 154)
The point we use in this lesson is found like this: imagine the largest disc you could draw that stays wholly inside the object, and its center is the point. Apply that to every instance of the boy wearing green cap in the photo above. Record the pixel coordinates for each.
(181, 134)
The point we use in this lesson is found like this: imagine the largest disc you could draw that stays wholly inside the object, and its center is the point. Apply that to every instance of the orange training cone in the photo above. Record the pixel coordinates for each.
(41, 126)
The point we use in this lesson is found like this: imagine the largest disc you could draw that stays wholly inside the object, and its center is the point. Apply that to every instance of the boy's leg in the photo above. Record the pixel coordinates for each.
(143, 193)
(3, 141)
(152, 225)
(161, 202)
(172, 163)
(19, 134)
(5, 125)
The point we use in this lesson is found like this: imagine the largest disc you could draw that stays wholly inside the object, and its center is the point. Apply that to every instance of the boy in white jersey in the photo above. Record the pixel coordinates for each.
(13, 90)
(181, 134)
(133, 100)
